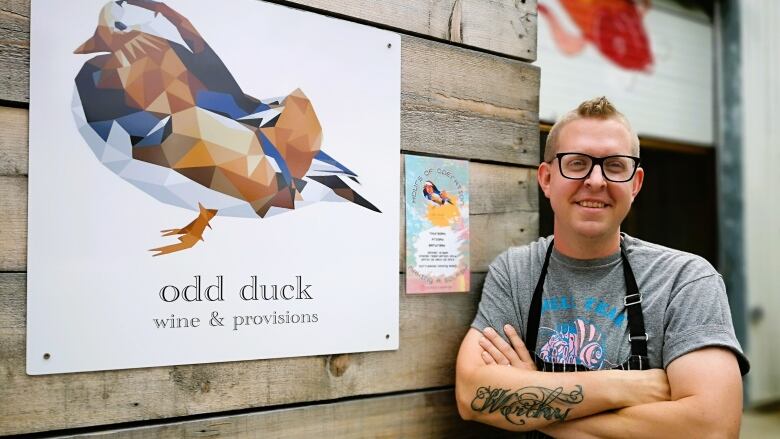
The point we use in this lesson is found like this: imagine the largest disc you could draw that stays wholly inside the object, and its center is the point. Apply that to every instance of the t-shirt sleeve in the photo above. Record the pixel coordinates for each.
(698, 316)
(496, 307)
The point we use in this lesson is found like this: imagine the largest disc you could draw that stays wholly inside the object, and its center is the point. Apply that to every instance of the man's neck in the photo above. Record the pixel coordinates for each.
(581, 247)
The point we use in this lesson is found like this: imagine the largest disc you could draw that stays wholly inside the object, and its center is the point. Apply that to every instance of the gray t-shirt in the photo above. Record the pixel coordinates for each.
(583, 318)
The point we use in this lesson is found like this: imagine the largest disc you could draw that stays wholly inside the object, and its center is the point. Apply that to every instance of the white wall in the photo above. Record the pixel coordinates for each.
(761, 170)
(673, 101)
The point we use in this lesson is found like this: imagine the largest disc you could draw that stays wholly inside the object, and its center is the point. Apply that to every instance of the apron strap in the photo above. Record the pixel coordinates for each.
(532, 329)
(633, 303)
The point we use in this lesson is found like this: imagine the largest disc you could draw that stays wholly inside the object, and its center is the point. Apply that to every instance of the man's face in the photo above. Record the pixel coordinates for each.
(592, 208)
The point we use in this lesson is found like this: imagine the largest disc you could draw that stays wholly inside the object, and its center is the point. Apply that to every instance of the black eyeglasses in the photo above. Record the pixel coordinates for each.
(615, 168)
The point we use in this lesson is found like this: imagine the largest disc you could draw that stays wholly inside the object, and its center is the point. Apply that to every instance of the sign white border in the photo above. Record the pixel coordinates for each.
(93, 287)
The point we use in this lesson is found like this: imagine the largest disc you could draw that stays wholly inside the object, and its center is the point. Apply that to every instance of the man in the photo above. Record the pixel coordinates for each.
(650, 324)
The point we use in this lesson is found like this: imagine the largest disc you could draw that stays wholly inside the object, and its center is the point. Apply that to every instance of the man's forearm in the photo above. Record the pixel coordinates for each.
(688, 417)
(523, 400)
(706, 401)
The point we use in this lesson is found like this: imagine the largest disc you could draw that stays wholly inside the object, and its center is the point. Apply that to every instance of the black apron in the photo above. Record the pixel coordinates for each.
(636, 326)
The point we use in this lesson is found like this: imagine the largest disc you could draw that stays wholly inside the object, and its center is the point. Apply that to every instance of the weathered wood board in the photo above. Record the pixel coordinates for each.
(428, 414)
(13, 217)
(506, 27)
(13, 141)
(14, 50)
(461, 103)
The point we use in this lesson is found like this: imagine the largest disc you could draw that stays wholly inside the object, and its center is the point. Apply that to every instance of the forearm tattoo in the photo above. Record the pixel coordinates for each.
(527, 402)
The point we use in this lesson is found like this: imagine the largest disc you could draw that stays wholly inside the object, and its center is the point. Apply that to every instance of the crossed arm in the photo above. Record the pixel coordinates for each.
(497, 384)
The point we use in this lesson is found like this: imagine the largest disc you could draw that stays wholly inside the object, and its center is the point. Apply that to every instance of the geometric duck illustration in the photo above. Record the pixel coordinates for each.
(158, 107)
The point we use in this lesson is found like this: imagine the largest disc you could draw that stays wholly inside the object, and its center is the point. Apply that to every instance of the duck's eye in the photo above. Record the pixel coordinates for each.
(119, 25)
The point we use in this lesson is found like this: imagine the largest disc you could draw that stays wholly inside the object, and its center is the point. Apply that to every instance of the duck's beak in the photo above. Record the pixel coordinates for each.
(93, 45)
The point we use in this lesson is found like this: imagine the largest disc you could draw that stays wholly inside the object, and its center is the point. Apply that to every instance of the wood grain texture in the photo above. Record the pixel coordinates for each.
(13, 223)
(14, 50)
(13, 141)
(426, 414)
(460, 103)
(431, 329)
(503, 26)
(494, 233)
(504, 212)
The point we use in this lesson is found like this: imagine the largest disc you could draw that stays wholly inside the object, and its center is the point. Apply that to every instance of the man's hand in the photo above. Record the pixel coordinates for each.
(498, 351)
(706, 402)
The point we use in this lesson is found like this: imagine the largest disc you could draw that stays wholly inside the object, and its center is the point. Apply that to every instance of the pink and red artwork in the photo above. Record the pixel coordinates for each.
(614, 27)
(579, 346)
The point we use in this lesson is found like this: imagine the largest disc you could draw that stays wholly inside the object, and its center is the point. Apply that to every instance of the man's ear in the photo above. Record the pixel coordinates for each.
(636, 183)
(543, 178)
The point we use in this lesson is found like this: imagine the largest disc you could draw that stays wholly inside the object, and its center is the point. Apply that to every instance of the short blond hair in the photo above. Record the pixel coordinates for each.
(596, 108)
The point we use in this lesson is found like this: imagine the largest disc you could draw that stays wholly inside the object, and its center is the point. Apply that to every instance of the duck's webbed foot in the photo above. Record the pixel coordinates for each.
(190, 234)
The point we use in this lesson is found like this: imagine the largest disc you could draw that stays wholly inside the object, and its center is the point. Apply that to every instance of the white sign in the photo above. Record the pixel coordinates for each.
(256, 138)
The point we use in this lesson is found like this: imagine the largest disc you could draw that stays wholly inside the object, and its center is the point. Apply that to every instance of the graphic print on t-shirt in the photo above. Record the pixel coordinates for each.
(575, 334)
(575, 343)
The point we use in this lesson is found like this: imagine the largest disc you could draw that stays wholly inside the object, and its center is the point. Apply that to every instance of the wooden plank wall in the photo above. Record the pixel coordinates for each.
(467, 92)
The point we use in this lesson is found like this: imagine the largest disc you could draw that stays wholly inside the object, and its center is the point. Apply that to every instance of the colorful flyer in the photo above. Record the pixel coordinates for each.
(437, 225)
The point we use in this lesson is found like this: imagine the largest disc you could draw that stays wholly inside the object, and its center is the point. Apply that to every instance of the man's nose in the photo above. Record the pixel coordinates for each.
(596, 177)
